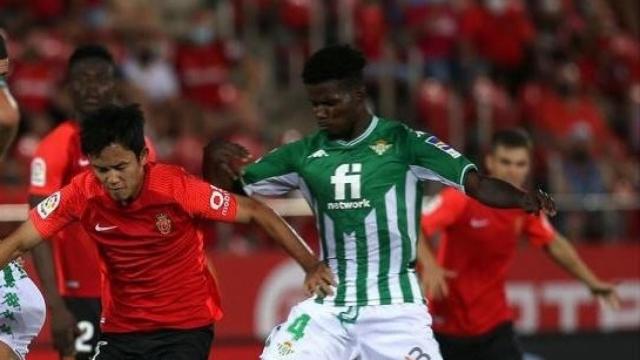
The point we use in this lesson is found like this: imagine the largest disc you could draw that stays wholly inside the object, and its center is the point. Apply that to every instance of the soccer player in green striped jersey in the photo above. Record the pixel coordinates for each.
(361, 175)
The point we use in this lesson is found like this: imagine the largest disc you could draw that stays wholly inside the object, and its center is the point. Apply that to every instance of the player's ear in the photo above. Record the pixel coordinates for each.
(144, 156)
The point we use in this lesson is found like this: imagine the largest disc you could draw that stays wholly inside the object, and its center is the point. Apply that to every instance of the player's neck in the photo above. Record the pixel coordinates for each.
(359, 126)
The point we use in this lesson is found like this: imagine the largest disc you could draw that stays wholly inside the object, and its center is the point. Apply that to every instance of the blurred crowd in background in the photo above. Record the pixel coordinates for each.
(566, 70)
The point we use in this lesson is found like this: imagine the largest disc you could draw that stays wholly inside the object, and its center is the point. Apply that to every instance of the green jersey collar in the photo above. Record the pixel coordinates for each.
(364, 135)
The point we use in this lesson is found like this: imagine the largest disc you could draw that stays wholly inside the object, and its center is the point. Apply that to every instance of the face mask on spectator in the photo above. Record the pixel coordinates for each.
(496, 6)
(202, 35)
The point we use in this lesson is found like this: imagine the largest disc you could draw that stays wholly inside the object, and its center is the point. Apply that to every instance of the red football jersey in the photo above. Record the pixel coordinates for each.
(57, 160)
(478, 243)
(151, 252)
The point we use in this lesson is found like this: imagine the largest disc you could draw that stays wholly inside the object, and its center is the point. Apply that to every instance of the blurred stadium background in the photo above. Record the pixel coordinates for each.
(566, 70)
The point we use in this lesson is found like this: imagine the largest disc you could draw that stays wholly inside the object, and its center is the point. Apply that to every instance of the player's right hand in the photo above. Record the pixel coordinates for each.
(434, 282)
(226, 157)
(319, 280)
(63, 330)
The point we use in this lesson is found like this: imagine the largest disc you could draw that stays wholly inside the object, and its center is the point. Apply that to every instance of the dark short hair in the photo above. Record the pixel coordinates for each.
(113, 124)
(90, 51)
(512, 138)
(335, 62)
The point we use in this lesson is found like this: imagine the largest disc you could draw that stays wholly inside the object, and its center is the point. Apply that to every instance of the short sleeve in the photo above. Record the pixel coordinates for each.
(275, 173)
(205, 201)
(56, 211)
(442, 211)
(432, 159)
(48, 168)
(538, 230)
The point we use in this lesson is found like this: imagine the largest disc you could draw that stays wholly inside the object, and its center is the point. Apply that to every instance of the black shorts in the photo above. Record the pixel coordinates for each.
(191, 344)
(87, 313)
(498, 344)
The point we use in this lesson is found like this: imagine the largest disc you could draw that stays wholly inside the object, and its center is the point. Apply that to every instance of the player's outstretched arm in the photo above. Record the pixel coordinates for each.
(563, 253)
(319, 277)
(9, 115)
(500, 194)
(434, 276)
(19, 242)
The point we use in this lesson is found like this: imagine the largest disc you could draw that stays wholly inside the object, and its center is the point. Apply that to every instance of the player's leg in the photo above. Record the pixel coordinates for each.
(502, 344)
(454, 348)
(87, 314)
(194, 344)
(390, 332)
(311, 332)
(120, 347)
(7, 353)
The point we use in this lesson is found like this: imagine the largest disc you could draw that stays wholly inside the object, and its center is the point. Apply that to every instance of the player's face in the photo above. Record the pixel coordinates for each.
(92, 84)
(510, 164)
(120, 171)
(334, 107)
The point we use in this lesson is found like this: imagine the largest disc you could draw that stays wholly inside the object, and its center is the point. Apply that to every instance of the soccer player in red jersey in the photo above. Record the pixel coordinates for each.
(466, 283)
(159, 299)
(68, 265)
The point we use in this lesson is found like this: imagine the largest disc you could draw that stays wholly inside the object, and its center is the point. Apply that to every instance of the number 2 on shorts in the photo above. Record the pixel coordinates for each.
(297, 328)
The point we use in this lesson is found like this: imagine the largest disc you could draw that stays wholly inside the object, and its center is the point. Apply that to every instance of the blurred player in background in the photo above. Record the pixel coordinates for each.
(68, 267)
(361, 176)
(22, 308)
(472, 320)
(159, 299)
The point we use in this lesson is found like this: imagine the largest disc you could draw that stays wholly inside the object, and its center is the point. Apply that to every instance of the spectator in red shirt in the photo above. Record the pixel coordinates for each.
(466, 282)
(159, 298)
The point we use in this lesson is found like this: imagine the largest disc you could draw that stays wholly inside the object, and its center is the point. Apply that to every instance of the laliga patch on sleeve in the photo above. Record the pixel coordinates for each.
(432, 140)
(38, 172)
(219, 200)
(48, 205)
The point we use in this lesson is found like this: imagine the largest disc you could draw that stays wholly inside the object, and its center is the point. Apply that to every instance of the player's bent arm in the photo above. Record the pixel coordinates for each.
(18, 243)
(251, 210)
(9, 118)
(500, 194)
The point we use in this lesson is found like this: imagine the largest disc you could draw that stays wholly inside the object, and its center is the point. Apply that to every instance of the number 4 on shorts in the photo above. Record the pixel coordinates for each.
(298, 325)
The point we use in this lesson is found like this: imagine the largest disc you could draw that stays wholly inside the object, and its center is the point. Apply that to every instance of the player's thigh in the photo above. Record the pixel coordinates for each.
(456, 349)
(311, 332)
(87, 314)
(7, 353)
(502, 345)
(107, 349)
(183, 344)
(389, 332)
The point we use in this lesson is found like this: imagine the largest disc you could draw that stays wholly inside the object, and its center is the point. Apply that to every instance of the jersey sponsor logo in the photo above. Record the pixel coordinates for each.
(219, 200)
(163, 224)
(48, 205)
(432, 140)
(318, 154)
(380, 147)
(478, 223)
(38, 172)
(347, 176)
(100, 228)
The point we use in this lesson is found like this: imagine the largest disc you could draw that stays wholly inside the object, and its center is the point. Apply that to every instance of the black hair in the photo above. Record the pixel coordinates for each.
(113, 124)
(512, 138)
(90, 51)
(335, 62)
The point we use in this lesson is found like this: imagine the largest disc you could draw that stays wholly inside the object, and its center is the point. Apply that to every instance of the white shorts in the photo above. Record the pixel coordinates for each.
(22, 309)
(380, 332)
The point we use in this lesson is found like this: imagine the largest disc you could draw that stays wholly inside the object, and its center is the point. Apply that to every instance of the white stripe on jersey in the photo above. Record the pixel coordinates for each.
(274, 186)
(410, 201)
(395, 243)
(351, 264)
(373, 262)
(329, 235)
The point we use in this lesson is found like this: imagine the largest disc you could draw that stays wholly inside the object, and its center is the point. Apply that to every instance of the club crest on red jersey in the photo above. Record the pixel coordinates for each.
(163, 223)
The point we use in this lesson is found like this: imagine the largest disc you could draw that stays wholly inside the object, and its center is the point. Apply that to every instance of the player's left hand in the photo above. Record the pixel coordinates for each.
(606, 294)
(319, 280)
(537, 201)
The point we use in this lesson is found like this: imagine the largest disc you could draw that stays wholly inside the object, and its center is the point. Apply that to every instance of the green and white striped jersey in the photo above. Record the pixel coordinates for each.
(366, 197)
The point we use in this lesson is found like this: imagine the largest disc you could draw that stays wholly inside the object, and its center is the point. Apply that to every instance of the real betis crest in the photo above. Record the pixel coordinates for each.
(380, 147)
